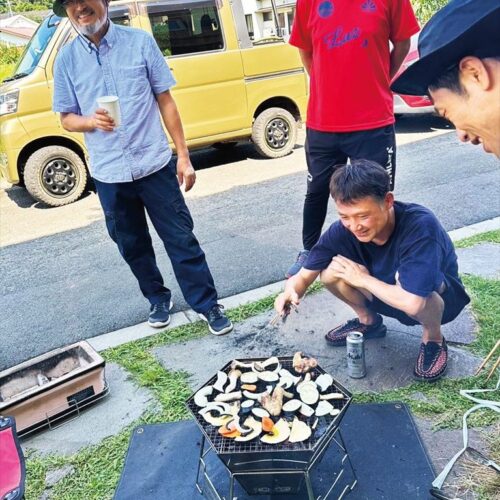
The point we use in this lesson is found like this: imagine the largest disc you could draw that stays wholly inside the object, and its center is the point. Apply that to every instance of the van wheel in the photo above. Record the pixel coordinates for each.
(274, 132)
(55, 175)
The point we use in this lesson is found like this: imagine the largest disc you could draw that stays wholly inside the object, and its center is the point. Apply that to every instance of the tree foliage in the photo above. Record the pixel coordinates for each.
(9, 54)
(24, 5)
(425, 9)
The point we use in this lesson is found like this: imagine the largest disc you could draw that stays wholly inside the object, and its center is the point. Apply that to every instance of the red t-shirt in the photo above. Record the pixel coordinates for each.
(349, 39)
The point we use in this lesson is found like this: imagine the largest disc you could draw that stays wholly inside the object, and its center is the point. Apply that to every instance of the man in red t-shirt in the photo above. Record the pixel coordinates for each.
(344, 46)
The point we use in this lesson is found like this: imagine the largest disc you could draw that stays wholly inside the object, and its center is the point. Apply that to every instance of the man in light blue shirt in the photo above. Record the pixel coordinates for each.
(131, 163)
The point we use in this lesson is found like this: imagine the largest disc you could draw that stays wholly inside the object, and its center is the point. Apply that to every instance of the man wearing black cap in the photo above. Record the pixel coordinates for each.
(459, 67)
(131, 161)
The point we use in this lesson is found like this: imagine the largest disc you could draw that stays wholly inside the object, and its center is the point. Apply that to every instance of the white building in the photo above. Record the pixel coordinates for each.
(260, 19)
(16, 30)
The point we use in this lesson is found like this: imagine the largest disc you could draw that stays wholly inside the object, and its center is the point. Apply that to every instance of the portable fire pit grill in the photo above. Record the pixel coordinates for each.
(273, 469)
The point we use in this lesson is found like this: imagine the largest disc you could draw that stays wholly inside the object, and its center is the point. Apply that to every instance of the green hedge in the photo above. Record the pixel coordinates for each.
(25, 5)
(425, 9)
(10, 55)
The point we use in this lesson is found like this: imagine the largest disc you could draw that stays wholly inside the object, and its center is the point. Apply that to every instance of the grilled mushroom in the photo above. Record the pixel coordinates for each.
(260, 366)
(268, 376)
(238, 364)
(221, 381)
(234, 375)
(332, 395)
(200, 398)
(225, 397)
(306, 410)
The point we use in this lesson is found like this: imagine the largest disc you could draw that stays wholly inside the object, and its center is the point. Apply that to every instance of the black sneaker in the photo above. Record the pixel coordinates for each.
(218, 322)
(298, 264)
(160, 314)
(338, 335)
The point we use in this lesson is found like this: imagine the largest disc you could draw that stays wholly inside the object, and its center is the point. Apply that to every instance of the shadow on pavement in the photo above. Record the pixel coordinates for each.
(211, 157)
(410, 124)
(23, 199)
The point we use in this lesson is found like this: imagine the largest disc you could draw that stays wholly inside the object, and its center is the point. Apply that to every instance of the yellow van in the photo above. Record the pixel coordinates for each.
(229, 88)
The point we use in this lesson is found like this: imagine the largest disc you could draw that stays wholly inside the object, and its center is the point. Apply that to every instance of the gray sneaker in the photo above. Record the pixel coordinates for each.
(298, 264)
(159, 315)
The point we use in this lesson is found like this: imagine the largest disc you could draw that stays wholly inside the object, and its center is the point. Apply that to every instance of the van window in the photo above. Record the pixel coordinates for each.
(36, 46)
(120, 14)
(186, 27)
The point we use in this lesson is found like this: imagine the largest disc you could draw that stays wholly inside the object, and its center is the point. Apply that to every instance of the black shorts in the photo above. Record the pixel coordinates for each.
(324, 150)
(455, 299)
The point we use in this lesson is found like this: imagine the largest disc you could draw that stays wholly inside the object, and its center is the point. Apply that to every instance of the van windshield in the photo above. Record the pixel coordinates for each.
(37, 45)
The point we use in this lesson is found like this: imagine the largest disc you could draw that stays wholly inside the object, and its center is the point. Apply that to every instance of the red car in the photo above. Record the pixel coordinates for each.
(411, 103)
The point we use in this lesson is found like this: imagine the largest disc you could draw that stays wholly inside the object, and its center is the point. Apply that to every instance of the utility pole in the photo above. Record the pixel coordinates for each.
(275, 15)
(10, 8)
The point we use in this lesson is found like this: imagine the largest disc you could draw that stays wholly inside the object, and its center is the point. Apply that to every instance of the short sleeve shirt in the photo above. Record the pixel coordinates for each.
(419, 249)
(349, 77)
(127, 64)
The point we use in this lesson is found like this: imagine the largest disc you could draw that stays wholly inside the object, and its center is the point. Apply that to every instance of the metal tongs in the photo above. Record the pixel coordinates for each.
(481, 459)
(278, 316)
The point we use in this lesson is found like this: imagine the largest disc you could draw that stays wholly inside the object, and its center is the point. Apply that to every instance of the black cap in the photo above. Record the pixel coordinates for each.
(461, 28)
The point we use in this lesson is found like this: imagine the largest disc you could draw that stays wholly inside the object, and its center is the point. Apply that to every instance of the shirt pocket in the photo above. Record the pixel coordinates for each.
(134, 80)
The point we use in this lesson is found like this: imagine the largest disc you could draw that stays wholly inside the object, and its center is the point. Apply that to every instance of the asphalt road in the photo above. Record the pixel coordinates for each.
(64, 281)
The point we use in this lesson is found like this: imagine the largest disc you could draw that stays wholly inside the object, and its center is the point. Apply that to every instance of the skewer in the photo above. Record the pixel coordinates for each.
(495, 366)
(278, 316)
(487, 358)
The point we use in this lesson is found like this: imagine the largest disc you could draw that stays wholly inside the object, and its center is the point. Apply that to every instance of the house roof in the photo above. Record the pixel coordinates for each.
(17, 21)
(20, 32)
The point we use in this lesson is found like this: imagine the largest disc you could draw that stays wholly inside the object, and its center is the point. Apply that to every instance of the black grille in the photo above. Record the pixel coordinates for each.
(325, 425)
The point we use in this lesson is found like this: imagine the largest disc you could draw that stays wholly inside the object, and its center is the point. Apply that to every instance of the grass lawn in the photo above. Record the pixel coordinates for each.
(96, 470)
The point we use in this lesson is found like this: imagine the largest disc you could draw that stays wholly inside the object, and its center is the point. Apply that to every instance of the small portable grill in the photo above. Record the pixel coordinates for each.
(272, 469)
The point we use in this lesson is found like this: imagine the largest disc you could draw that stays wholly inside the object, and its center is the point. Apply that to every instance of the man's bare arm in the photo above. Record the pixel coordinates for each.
(172, 120)
(295, 289)
(77, 123)
(399, 52)
(306, 57)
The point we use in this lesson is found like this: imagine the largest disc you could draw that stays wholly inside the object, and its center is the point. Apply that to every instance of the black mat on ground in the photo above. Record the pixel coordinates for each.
(382, 441)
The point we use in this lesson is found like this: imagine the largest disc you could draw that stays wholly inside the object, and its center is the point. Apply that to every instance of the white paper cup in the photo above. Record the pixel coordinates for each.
(112, 105)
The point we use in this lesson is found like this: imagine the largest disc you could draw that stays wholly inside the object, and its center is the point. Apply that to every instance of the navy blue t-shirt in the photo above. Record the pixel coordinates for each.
(419, 249)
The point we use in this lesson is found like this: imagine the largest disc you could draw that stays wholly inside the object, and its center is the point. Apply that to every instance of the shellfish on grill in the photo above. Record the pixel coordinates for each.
(302, 363)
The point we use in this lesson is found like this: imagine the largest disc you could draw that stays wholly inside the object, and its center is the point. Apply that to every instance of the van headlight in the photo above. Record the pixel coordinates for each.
(8, 102)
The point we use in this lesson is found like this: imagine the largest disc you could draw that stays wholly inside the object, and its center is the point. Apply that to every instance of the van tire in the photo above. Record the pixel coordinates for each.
(55, 175)
(274, 132)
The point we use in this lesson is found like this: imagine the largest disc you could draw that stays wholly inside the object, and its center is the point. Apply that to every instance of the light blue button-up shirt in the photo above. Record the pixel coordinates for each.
(128, 64)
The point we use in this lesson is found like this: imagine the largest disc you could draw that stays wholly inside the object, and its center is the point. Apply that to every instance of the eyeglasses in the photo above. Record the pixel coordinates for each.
(72, 3)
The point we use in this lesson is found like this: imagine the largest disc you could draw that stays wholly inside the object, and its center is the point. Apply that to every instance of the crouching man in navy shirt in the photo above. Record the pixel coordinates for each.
(384, 258)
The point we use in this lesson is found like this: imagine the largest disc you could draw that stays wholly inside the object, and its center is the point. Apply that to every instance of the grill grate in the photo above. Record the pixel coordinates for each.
(326, 424)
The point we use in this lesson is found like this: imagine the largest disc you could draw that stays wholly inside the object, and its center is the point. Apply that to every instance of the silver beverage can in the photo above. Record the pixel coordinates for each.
(356, 367)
